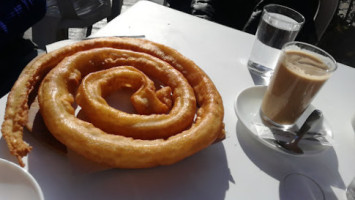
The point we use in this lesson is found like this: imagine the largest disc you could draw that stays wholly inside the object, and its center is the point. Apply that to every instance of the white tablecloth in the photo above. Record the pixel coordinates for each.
(240, 167)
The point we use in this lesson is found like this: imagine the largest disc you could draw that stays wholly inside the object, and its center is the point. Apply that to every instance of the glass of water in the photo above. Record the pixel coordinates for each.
(350, 191)
(278, 25)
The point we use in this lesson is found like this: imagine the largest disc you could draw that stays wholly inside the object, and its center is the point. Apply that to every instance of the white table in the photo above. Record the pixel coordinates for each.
(240, 167)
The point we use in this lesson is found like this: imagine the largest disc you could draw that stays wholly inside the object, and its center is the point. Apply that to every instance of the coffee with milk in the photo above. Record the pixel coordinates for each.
(299, 76)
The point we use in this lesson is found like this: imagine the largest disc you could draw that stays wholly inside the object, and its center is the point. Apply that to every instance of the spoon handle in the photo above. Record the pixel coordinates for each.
(313, 117)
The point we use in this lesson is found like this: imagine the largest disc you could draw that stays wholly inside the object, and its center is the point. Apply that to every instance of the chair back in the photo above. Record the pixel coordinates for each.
(79, 9)
(324, 15)
(64, 14)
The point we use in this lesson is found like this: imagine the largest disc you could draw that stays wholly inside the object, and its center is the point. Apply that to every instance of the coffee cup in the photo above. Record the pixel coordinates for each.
(301, 71)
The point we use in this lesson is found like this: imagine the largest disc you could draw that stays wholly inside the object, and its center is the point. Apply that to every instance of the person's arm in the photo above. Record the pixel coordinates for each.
(16, 16)
(203, 9)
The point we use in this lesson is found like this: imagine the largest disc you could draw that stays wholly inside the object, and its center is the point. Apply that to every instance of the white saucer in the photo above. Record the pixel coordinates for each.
(247, 107)
(17, 183)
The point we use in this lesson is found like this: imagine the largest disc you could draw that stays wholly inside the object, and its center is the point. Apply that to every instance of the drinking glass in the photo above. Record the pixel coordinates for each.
(300, 73)
(296, 186)
(278, 25)
(350, 191)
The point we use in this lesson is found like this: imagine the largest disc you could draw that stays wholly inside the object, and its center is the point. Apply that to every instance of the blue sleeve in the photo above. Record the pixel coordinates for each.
(16, 16)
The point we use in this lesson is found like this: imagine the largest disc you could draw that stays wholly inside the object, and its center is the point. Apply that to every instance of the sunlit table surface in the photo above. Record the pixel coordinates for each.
(240, 167)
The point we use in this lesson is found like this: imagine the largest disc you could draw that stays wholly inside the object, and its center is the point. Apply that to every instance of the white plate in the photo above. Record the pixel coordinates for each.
(16, 183)
(247, 107)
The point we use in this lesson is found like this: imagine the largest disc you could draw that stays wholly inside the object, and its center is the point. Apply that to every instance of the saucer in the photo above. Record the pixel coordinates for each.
(17, 183)
(247, 106)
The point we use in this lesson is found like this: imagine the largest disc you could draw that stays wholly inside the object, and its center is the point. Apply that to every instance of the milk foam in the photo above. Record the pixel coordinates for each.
(306, 65)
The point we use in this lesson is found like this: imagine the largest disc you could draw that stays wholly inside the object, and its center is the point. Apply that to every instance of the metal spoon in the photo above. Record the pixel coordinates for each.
(292, 146)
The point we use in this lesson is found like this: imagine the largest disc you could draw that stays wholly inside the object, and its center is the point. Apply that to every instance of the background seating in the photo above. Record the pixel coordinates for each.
(64, 14)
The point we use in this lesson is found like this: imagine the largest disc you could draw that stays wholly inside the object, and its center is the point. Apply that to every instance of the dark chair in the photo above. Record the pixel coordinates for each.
(324, 16)
(64, 14)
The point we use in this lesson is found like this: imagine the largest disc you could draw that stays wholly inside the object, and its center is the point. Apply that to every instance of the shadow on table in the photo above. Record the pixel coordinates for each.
(204, 175)
(258, 79)
(321, 169)
(4, 151)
